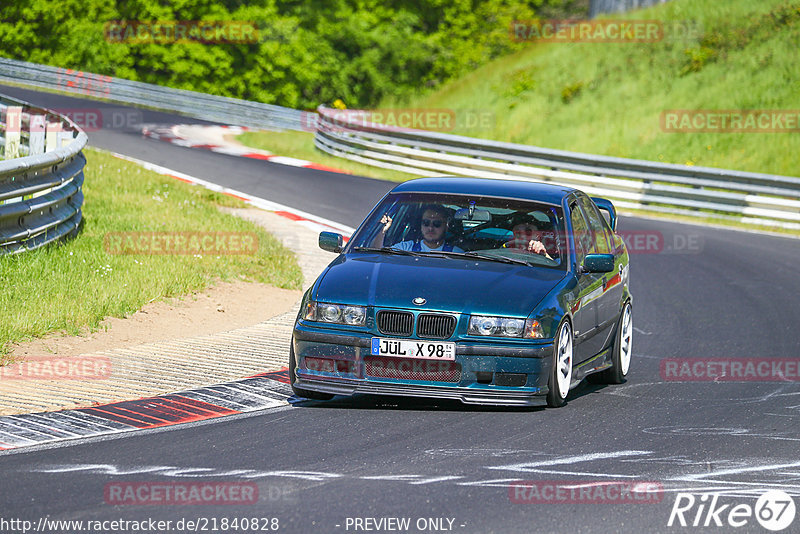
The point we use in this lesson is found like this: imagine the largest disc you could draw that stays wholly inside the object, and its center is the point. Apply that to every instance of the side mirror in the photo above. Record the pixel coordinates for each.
(598, 263)
(608, 211)
(330, 241)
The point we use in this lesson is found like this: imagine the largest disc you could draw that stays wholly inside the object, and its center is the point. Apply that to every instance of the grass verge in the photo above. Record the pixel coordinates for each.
(608, 98)
(73, 286)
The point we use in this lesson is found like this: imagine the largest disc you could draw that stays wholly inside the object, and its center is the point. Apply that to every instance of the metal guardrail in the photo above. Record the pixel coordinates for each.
(225, 110)
(41, 177)
(694, 191)
(597, 7)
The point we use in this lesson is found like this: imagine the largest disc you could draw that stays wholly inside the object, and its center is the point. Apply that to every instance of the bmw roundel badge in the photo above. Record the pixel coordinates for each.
(419, 301)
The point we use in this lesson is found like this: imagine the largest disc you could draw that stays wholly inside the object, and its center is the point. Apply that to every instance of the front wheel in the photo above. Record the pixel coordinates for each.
(561, 374)
(313, 395)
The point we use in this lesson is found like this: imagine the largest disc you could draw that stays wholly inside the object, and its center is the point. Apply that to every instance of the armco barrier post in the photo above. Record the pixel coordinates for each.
(13, 131)
(53, 131)
(36, 140)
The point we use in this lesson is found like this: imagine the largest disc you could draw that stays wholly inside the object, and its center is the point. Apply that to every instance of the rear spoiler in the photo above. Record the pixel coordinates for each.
(606, 207)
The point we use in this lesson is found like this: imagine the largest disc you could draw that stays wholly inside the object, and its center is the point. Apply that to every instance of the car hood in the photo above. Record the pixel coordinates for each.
(447, 283)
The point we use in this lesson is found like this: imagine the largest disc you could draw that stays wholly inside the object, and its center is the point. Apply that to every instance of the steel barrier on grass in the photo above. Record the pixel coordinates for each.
(41, 176)
(212, 108)
(597, 7)
(694, 191)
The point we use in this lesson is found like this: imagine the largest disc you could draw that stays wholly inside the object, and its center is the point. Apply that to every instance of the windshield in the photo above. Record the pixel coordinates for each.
(495, 229)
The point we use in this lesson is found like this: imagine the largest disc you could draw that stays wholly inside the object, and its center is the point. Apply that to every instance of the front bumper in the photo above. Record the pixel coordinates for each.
(484, 368)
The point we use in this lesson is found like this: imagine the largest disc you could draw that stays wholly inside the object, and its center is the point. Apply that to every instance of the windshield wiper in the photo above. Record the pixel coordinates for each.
(389, 250)
(489, 257)
(433, 253)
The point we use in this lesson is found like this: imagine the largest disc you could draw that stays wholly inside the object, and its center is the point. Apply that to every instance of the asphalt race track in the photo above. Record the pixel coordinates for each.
(321, 466)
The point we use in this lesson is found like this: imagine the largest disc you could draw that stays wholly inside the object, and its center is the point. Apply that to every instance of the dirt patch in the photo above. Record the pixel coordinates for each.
(226, 306)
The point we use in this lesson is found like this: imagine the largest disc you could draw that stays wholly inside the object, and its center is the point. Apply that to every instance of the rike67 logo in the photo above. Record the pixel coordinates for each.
(774, 510)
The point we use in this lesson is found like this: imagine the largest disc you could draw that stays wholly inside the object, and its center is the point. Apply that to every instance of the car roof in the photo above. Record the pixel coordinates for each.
(536, 191)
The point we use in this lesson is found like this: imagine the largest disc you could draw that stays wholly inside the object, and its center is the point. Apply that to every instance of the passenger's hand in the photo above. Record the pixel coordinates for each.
(537, 247)
(386, 221)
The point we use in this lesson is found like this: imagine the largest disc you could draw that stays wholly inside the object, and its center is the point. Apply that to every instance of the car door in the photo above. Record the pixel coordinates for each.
(590, 287)
(608, 302)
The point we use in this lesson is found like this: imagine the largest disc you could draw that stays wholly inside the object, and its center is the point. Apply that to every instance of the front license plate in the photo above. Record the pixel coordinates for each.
(409, 348)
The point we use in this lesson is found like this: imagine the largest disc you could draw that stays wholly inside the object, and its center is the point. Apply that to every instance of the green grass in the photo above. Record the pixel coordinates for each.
(73, 286)
(603, 98)
(608, 98)
(301, 145)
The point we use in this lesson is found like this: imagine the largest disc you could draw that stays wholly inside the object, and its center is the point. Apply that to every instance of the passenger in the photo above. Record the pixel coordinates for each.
(527, 237)
(435, 220)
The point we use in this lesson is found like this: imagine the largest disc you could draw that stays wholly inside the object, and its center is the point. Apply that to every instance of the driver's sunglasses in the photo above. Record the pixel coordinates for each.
(436, 223)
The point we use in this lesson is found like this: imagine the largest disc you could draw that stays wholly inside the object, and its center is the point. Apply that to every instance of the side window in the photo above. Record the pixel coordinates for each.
(600, 234)
(582, 236)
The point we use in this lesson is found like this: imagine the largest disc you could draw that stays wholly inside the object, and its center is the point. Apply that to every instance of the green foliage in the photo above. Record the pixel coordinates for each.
(727, 36)
(743, 56)
(571, 91)
(520, 82)
(696, 59)
(307, 52)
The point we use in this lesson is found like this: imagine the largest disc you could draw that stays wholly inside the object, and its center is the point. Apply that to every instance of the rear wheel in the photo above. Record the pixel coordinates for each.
(621, 353)
(561, 374)
(313, 395)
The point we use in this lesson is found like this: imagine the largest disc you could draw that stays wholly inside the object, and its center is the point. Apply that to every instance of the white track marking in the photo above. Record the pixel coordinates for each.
(255, 201)
(581, 473)
(736, 471)
(568, 460)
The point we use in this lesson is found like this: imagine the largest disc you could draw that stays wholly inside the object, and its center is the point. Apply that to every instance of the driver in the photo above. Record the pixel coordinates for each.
(434, 222)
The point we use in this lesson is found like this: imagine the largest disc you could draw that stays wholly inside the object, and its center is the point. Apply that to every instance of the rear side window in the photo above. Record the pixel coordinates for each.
(598, 227)
(584, 240)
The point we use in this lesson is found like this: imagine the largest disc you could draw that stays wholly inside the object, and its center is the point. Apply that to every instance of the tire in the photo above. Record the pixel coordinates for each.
(313, 395)
(561, 374)
(621, 353)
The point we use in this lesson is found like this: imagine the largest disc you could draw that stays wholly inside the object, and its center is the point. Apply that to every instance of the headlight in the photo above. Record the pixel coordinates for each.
(354, 315)
(480, 325)
(335, 313)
